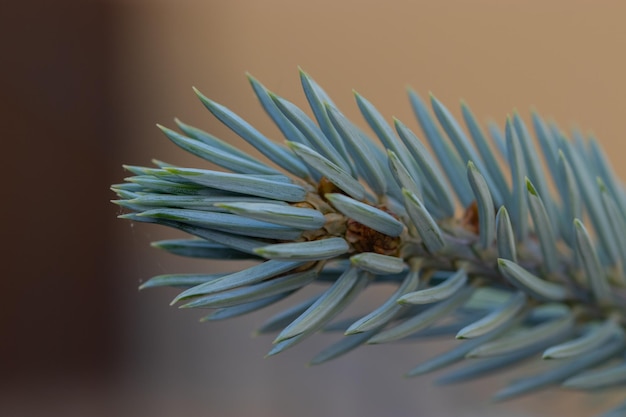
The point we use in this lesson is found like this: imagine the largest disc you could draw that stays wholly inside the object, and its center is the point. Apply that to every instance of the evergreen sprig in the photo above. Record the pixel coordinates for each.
(521, 257)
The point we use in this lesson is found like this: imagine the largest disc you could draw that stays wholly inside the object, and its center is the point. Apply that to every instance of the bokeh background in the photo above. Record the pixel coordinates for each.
(84, 82)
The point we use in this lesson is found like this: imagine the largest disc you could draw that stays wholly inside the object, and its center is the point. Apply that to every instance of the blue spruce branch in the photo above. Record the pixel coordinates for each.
(512, 263)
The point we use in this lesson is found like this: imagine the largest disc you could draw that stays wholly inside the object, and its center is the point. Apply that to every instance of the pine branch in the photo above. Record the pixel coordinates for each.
(520, 270)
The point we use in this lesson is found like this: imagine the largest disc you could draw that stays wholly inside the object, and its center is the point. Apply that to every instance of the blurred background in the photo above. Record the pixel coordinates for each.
(84, 82)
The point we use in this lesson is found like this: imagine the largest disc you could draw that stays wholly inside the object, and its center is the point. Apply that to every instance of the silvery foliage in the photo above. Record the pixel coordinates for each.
(516, 245)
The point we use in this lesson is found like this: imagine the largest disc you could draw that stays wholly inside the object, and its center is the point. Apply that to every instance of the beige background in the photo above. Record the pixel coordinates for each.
(566, 58)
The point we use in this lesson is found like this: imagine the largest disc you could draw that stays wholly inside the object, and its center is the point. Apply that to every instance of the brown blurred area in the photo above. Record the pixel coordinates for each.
(84, 82)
